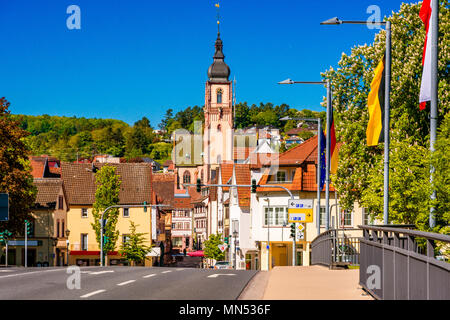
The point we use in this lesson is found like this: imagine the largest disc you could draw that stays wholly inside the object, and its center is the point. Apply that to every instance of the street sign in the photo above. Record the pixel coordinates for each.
(300, 231)
(4, 207)
(222, 247)
(300, 211)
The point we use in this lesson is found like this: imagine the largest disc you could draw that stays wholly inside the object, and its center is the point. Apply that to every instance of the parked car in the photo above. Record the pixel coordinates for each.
(223, 265)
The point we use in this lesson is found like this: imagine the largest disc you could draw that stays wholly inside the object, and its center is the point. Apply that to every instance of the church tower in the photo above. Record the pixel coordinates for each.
(217, 139)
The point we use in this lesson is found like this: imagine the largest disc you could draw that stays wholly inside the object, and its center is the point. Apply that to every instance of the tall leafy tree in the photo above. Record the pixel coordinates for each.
(106, 194)
(15, 171)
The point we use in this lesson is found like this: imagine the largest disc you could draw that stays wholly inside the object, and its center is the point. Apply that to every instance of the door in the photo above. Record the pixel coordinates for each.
(31, 257)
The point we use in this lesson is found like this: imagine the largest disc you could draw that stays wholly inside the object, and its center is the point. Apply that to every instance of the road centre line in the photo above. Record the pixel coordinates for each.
(149, 275)
(126, 282)
(166, 271)
(92, 293)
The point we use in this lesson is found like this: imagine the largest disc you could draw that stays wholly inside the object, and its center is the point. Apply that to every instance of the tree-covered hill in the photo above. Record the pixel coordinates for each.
(69, 138)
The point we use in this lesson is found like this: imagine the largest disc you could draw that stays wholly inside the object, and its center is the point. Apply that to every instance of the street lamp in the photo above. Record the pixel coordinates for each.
(387, 24)
(67, 243)
(328, 138)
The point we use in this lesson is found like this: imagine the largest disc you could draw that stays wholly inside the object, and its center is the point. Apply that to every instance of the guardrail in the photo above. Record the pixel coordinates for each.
(401, 264)
(336, 247)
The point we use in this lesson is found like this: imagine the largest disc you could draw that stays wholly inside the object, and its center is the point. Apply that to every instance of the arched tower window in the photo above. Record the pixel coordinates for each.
(187, 177)
(219, 128)
(219, 95)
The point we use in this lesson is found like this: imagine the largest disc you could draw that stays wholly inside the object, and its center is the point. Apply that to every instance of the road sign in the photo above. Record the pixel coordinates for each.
(4, 207)
(300, 231)
(300, 211)
(223, 247)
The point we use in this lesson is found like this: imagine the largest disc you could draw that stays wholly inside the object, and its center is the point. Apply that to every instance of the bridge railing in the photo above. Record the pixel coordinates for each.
(336, 247)
(401, 264)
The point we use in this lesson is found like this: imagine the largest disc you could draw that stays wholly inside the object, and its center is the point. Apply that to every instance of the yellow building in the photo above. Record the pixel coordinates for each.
(46, 242)
(135, 189)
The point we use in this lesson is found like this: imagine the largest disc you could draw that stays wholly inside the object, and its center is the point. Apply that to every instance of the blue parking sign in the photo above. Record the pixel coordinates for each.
(4, 207)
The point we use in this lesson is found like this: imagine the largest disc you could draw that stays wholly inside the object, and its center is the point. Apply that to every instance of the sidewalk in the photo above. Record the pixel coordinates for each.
(305, 283)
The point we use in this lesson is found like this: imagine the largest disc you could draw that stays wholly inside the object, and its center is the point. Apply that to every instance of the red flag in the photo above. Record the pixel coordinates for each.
(425, 88)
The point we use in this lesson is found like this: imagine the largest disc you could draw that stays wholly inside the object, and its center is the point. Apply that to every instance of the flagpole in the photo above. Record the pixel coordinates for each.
(434, 92)
(386, 123)
(327, 190)
(319, 171)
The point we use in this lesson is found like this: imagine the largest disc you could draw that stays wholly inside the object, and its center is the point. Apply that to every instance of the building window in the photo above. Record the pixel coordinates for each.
(219, 128)
(60, 203)
(126, 212)
(347, 218)
(281, 176)
(219, 95)
(125, 238)
(57, 228)
(84, 242)
(275, 216)
(173, 226)
(187, 177)
(322, 216)
(62, 228)
(84, 212)
(366, 217)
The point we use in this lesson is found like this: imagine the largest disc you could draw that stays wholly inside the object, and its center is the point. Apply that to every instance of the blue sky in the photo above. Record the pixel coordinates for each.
(138, 58)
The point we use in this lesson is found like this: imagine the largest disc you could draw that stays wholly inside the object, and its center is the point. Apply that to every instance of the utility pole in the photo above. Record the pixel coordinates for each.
(26, 240)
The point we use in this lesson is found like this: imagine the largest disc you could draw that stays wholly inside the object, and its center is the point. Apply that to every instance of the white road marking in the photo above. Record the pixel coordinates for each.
(126, 282)
(166, 271)
(180, 269)
(92, 293)
(221, 274)
(150, 275)
(101, 272)
(6, 270)
(26, 273)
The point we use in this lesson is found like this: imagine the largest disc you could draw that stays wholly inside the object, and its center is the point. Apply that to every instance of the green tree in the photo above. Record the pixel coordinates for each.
(15, 171)
(107, 194)
(211, 247)
(134, 249)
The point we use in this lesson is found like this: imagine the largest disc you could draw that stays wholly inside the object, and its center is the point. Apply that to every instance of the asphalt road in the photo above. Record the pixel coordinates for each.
(123, 283)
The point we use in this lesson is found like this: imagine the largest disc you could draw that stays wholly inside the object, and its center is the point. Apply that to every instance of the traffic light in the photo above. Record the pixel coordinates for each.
(2, 238)
(29, 228)
(105, 240)
(199, 185)
(145, 206)
(226, 240)
(253, 186)
(293, 230)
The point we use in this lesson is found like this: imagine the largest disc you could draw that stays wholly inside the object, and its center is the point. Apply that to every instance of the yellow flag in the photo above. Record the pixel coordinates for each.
(217, 5)
(375, 102)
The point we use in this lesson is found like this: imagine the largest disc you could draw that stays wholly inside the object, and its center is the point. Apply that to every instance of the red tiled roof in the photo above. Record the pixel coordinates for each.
(242, 153)
(242, 173)
(80, 185)
(163, 186)
(304, 157)
(38, 165)
(226, 172)
(47, 192)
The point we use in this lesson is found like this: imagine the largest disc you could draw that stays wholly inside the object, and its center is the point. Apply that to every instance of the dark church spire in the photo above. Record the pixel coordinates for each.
(218, 71)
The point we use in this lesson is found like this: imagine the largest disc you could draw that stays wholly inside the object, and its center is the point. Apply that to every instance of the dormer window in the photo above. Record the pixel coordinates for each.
(219, 95)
